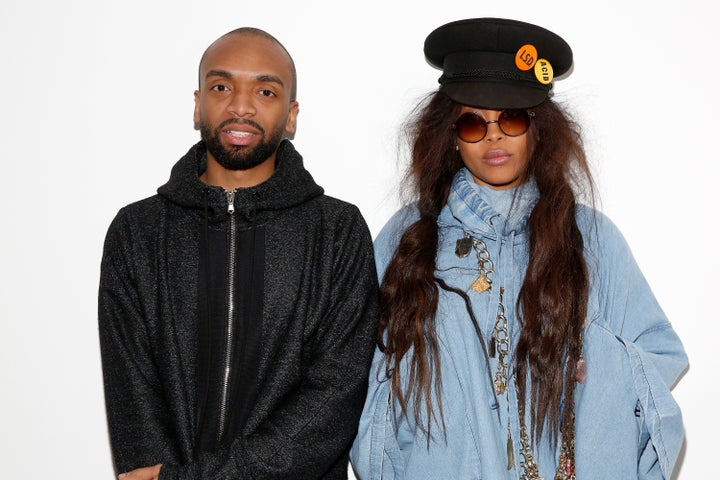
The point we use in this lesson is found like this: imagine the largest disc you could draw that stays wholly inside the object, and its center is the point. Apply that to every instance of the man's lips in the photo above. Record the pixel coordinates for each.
(239, 137)
(239, 134)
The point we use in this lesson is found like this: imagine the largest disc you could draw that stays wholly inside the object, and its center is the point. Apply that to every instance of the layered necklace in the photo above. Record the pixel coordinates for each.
(499, 346)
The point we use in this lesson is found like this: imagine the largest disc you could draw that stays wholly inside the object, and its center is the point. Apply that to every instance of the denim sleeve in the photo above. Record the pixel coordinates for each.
(375, 453)
(662, 418)
(628, 308)
(627, 303)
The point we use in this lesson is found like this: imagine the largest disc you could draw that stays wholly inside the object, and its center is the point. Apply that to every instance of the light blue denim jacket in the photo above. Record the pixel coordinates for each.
(627, 422)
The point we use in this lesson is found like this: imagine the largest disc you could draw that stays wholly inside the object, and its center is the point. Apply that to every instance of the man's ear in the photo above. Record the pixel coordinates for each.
(196, 113)
(291, 123)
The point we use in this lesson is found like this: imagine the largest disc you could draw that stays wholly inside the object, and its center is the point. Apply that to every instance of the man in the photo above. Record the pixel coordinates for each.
(237, 307)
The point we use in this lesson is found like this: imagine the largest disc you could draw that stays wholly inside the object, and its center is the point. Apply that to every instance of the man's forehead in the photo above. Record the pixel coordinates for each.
(236, 46)
(248, 54)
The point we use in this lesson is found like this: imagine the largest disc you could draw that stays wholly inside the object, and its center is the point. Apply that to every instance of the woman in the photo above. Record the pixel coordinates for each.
(518, 338)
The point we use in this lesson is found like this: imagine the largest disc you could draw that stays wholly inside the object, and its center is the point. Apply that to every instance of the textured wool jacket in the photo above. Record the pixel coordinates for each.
(628, 425)
(307, 301)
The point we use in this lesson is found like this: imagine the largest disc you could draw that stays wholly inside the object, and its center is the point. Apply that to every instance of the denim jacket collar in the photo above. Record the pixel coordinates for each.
(487, 212)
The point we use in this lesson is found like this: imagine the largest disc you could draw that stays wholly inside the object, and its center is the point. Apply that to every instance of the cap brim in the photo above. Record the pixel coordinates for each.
(494, 95)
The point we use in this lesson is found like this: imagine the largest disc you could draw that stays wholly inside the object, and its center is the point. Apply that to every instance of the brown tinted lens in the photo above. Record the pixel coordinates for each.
(470, 127)
(514, 122)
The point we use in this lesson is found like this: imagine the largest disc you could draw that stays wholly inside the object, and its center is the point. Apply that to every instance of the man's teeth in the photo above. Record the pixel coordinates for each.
(239, 134)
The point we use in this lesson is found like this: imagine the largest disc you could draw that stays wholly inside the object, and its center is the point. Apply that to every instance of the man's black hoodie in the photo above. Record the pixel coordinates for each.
(277, 284)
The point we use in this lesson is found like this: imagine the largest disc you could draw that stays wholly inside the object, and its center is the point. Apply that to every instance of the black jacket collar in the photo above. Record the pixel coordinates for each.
(290, 185)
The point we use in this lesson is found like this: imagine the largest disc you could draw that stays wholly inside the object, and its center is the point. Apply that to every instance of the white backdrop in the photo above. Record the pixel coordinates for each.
(97, 106)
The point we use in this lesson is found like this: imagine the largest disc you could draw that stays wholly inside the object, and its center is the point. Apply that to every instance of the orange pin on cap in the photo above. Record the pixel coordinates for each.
(525, 57)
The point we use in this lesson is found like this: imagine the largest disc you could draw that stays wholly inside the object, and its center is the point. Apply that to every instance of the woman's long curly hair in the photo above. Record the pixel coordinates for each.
(552, 302)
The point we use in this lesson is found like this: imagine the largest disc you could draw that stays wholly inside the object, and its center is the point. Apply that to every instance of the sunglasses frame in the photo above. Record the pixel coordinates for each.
(530, 116)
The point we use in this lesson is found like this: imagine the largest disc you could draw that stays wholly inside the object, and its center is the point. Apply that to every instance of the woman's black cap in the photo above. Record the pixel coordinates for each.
(497, 63)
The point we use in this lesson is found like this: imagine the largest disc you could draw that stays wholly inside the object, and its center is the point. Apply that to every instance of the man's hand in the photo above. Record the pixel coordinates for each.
(145, 473)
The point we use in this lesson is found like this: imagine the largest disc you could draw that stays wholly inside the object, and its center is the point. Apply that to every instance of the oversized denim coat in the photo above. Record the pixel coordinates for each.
(627, 422)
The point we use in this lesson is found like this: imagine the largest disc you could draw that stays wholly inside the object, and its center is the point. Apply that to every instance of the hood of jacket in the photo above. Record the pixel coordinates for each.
(290, 185)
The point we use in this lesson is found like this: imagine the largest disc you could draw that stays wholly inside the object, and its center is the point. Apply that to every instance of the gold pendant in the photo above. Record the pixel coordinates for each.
(481, 284)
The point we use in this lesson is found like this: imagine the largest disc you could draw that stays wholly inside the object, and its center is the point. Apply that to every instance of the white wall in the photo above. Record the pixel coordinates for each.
(97, 106)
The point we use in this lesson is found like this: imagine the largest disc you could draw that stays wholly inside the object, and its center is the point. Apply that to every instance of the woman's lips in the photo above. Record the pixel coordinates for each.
(496, 157)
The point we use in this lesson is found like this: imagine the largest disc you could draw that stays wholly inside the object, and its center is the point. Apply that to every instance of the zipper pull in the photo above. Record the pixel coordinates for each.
(231, 201)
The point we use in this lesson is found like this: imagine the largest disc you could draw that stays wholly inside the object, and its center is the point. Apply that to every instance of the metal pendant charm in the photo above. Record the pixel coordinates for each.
(463, 247)
(510, 453)
(481, 284)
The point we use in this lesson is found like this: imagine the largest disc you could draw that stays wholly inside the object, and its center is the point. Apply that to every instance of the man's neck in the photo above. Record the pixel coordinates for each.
(219, 176)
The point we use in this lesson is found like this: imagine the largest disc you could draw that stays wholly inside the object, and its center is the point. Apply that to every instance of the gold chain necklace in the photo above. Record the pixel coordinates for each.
(485, 266)
(566, 460)
(500, 345)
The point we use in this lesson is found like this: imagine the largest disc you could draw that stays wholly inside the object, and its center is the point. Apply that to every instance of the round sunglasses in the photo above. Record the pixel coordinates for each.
(471, 127)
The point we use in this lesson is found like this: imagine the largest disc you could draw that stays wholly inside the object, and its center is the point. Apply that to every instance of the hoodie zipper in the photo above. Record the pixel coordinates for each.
(230, 195)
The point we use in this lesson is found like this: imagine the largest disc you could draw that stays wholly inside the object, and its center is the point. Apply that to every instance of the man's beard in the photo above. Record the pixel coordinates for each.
(239, 157)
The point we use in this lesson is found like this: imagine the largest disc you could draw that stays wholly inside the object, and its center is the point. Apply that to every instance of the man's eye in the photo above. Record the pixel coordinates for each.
(267, 93)
(219, 88)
